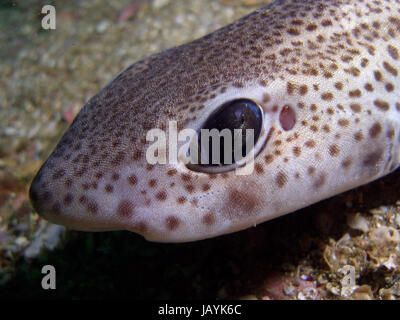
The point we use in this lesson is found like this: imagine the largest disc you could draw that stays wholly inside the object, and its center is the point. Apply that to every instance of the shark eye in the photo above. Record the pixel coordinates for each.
(228, 134)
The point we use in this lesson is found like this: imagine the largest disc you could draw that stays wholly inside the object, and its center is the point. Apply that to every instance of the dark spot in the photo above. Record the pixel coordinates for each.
(186, 177)
(310, 143)
(372, 158)
(355, 107)
(161, 196)
(375, 130)
(171, 172)
(339, 85)
(389, 68)
(115, 176)
(132, 179)
(389, 87)
(281, 179)
(320, 181)
(326, 128)
(205, 187)
(152, 183)
(358, 136)
(172, 223)
(334, 150)
(297, 151)
(269, 158)
(242, 201)
(393, 52)
(181, 200)
(189, 188)
(378, 75)
(346, 163)
(92, 207)
(355, 93)
(109, 188)
(58, 174)
(327, 96)
(343, 122)
(208, 219)
(259, 168)
(68, 199)
(125, 209)
(382, 105)
(369, 87)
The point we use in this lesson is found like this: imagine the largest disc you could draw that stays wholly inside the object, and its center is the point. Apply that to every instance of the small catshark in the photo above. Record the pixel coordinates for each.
(325, 77)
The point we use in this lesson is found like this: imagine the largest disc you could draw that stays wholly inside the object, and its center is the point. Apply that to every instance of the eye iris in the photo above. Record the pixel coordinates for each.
(238, 114)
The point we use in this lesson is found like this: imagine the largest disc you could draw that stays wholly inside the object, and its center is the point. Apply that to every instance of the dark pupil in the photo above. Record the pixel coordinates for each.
(239, 114)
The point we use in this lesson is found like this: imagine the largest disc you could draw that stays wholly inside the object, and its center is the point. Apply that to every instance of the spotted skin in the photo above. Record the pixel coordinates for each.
(325, 73)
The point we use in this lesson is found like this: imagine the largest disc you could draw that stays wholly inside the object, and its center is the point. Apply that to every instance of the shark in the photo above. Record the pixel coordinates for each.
(319, 82)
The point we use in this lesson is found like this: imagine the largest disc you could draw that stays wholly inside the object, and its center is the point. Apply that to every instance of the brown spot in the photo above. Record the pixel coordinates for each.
(269, 158)
(372, 158)
(334, 150)
(311, 170)
(92, 207)
(140, 227)
(355, 93)
(393, 52)
(293, 31)
(398, 106)
(303, 89)
(181, 200)
(310, 143)
(83, 199)
(68, 199)
(125, 209)
(132, 179)
(389, 68)
(239, 200)
(189, 188)
(115, 176)
(339, 85)
(369, 87)
(375, 130)
(259, 168)
(208, 219)
(161, 196)
(290, 88)
(320, 181)
(171, 172)
(172, 223)
(118, 158)
(109, 188)
(58, 174)
(346, 163)
(297, 151)
(358, 136)
(378, 75)
(327, 96)
(205, 187)
(68, 182)
(390, 134)
(281, 179)
(326, 128)
(311, 27)
(382, 105)
(266, 98)
(343, 122)
(389, 87)
(355, 107)
(152, 183)
(364, 62)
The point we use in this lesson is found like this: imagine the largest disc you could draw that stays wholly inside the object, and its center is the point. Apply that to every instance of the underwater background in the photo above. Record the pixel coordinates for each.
(48, 75)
